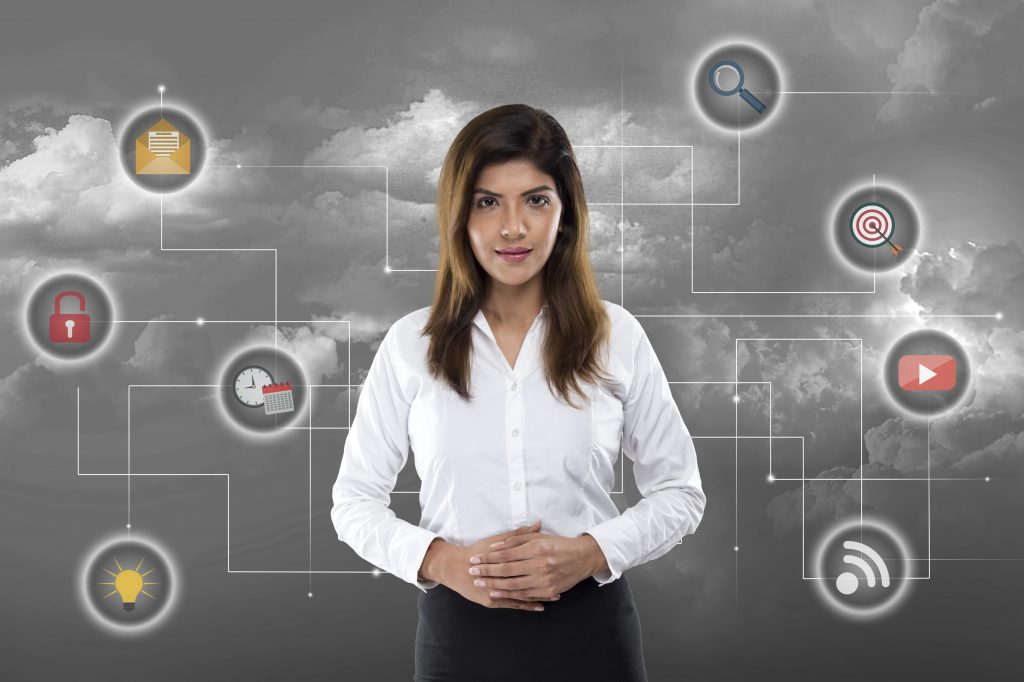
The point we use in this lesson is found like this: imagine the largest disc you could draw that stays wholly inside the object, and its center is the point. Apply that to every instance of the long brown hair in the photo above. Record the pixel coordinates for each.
(578, 324)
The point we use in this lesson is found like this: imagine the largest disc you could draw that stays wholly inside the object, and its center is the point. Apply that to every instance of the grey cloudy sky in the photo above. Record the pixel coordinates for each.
(387, 83)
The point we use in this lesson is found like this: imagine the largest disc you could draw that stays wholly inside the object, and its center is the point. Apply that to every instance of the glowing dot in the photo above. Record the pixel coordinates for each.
(736, 399)
(200, 321)
(310, 595)
(771, 478)
(161, 88)
(387, 268)
(987, 479)
(999, 316)
(238, 165)
(127, 525)
(847, 583)
(376, 571)
(736, 548)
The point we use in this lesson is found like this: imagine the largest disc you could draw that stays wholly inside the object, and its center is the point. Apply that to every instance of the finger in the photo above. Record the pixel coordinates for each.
(517, 604)
(525, 581)
(524, 595)
(523, 551)
(511, 569)
(514, 541)
(493, 556)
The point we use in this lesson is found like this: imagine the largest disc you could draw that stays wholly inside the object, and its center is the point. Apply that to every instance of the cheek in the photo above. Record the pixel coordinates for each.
(548, 226)
(476, 231)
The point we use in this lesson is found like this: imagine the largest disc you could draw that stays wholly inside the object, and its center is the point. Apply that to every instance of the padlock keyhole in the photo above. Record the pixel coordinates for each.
(70, 324)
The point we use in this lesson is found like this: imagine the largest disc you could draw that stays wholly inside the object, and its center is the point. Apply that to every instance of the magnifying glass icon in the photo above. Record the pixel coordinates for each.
(725, 66)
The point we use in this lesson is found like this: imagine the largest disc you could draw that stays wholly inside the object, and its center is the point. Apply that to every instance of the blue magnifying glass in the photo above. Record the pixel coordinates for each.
(727, 65)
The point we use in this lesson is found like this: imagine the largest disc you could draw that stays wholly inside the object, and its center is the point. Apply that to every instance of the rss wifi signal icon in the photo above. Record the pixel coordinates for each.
(848, 582)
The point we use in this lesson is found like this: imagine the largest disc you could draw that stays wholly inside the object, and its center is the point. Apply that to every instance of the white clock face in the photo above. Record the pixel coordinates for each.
(249, 385)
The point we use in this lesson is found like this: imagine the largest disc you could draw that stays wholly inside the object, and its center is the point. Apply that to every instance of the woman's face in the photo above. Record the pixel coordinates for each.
(513, 221)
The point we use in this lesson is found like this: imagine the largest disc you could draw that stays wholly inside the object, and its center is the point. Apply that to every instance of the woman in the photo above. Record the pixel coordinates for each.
(515, 391)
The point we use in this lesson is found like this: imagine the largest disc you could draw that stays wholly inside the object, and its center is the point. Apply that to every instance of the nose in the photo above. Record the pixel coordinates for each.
(512, 226)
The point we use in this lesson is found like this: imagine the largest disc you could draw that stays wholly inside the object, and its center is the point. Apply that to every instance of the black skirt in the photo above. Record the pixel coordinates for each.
(591, 633)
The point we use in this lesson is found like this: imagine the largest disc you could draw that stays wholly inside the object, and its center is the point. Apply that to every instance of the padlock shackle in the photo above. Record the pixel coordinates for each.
(62, 295)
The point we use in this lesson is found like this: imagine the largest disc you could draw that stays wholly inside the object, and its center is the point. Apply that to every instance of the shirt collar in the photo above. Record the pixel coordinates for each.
(481, 321)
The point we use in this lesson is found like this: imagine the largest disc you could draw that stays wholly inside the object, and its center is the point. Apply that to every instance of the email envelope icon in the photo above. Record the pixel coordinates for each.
(163, 150)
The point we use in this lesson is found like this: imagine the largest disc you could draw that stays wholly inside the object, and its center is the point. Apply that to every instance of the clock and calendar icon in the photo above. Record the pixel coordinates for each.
(255, 387)
(263, 390)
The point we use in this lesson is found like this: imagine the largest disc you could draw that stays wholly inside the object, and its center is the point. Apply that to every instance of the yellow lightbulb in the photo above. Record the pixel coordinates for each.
(128, 584)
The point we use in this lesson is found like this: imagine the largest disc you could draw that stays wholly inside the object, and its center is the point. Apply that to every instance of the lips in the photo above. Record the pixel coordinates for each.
(514, 254)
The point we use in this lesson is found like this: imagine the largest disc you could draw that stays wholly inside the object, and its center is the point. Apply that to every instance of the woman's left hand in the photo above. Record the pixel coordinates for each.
(537, 565)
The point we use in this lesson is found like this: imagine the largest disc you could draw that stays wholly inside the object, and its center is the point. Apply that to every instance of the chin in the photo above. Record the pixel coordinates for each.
(514, 281)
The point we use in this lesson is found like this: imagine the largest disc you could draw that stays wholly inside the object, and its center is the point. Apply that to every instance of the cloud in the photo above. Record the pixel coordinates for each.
(958, 47)
(498, 46)
(970, 278)
(315, 351)
(899, 444)
(71, 170)
(982, 436)
(822, 501)
(412, 141)
(1001, 457)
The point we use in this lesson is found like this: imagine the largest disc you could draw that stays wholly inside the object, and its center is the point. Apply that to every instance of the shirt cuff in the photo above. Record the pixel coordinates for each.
(418, 550)
(605, 576)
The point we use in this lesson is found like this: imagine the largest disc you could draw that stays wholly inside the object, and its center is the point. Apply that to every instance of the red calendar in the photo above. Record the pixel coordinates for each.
(278, 399)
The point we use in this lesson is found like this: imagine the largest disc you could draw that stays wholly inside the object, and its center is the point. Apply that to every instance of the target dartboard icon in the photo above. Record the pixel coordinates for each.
(873, 225)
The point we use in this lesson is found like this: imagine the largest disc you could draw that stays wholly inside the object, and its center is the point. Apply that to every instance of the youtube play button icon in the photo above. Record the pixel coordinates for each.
(927, 372)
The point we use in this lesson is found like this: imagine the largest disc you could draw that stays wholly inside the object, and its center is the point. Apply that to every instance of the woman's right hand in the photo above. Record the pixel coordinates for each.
(449, 565)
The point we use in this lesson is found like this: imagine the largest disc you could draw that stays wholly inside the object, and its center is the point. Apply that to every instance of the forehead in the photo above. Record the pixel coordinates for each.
(520, 173)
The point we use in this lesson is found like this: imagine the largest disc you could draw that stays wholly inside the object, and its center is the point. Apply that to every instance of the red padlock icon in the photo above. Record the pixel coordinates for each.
(69, 327)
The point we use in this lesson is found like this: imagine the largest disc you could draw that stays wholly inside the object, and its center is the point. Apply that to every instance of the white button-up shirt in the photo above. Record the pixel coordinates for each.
(515, 453)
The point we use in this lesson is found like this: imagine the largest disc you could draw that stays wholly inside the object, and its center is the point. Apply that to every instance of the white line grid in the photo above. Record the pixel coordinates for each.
(622, 204)
(804, 480)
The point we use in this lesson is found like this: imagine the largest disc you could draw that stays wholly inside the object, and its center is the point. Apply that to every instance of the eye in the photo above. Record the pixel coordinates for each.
(544, 201)
(480, 203)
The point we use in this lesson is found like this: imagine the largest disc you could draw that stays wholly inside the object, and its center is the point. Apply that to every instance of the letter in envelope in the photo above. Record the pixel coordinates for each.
(163, 150)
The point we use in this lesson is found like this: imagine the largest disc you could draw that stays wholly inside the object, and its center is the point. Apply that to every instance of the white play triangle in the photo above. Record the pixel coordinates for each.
(924, 374)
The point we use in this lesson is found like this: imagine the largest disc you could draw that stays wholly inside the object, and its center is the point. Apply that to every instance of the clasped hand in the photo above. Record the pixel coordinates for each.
(517, 569)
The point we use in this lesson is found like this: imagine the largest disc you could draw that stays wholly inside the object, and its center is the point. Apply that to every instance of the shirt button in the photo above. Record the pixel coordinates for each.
(514, 386)
(515, 433)
(518, 486)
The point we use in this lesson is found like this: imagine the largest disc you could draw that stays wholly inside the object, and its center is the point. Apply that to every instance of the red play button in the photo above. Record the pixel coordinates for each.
(927, 372)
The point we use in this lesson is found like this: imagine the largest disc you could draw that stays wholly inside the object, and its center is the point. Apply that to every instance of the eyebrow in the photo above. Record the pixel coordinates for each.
(481, 190)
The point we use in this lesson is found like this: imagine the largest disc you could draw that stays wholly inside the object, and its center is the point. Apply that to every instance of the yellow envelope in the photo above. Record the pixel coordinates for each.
(163, 150)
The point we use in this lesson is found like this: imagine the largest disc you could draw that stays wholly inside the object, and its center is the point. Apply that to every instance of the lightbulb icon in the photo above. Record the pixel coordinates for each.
(129, 583)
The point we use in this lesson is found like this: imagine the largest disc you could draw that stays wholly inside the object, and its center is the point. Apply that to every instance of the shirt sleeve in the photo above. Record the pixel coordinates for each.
(375, 452)
(664, 460)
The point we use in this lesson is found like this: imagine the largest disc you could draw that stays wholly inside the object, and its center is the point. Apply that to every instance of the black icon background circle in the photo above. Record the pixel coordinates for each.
(906, 232)
(98, 306)
(162, 184)
(761, 76)
(128, 552)
(927, 342)
(283, 368)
